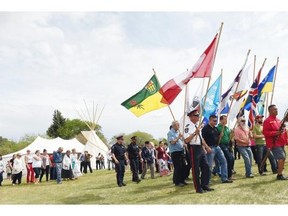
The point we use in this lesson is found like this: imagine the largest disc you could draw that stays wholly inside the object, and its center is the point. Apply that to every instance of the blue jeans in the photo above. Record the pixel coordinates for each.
(58, 171)
(217, 154)
(247, 155)
(229, 158)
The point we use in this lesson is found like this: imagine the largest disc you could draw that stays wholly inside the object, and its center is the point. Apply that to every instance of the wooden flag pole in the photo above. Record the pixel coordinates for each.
(185, 103)
(168, 104)
(274, 81)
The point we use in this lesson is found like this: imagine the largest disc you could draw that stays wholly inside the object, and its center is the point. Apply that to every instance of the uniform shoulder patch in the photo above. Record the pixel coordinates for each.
(186, 130)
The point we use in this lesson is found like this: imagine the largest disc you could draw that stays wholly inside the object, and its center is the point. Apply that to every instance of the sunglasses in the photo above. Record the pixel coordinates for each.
(215, 120)
(197, 115)
(243, 120)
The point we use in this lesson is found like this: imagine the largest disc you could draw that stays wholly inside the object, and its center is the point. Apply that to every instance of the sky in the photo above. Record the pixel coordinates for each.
(58, 59)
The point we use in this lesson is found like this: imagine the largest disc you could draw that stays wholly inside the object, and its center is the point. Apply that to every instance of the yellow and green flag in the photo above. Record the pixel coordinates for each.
(146, 100)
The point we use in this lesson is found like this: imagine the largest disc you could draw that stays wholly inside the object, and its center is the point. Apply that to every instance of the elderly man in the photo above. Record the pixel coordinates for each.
(176, 150)
(57, 157)
(198, 149)
(276, 139)
(242, 137)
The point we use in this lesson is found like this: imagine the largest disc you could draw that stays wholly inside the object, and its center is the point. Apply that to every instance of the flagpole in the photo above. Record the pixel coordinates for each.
(208, 85)
(254, 68)
(168, 104)
(236, 89)
(266, 101)
(274, 80)
(185, 102)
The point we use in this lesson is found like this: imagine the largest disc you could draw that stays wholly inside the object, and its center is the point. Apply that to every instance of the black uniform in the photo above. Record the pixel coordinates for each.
(133, 155)
(119, 151)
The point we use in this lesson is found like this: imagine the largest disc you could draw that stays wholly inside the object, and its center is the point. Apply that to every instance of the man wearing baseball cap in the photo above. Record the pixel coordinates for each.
(261, 147)
(276, 139)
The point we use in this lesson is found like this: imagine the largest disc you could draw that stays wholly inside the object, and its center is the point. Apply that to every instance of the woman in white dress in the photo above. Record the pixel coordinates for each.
(75, 164)
(67, 166)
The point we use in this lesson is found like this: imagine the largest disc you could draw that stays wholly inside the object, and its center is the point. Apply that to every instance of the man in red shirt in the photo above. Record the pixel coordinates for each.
(275, 139)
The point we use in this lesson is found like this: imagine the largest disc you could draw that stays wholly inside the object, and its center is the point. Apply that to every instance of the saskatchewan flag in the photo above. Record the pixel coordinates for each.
(145, 100)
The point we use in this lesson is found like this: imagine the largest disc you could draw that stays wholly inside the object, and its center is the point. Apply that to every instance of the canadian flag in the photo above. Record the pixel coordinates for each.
(202, 68)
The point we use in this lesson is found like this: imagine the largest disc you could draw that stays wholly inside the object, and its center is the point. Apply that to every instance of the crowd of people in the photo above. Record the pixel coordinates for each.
(201, 150)
(206, 150)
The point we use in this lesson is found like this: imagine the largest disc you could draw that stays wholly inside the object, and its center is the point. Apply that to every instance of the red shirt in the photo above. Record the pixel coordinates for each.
(270, 127)
(161, 153)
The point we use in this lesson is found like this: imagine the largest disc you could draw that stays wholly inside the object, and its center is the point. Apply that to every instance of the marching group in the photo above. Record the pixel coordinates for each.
(207, 150)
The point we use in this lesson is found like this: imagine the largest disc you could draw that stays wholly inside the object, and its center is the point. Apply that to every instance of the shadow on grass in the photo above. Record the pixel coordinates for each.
(83, 199)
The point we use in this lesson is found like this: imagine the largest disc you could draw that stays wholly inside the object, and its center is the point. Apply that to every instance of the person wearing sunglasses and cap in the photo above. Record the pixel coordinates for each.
(242, 136)
(119, 155)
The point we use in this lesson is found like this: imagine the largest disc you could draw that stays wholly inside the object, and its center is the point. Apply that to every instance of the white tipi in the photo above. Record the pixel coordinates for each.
(94, 144)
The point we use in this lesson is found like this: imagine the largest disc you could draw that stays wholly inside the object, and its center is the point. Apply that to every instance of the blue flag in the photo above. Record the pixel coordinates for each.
(212, 99)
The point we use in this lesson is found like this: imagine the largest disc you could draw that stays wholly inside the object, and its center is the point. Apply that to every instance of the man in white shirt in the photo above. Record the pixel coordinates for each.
(198, 149)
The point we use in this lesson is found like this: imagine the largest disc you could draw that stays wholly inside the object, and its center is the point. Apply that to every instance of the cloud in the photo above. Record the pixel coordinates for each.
(55, 60)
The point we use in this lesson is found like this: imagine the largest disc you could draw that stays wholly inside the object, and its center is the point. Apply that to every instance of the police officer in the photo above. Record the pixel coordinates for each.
(119, 156)
(198, 149)
(134, 154)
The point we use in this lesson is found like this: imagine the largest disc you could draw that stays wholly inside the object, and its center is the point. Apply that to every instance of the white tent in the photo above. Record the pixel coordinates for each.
(94, 146)
(50, 144)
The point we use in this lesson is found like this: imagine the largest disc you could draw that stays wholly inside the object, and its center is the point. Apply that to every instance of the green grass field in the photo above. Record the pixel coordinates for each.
(100, 188)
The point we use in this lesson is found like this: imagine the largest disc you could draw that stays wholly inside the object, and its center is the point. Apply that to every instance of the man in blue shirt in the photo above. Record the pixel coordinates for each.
(57, 157)
(176, 150)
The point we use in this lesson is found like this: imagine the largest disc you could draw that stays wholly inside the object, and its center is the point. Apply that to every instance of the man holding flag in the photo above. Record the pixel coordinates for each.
(276, 139)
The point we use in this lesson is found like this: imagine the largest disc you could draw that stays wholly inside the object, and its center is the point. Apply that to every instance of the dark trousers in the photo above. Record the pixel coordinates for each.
(120, 170)
(53, 175)
(156, 166)
(98, 165)
(229, 158)
(261, 152)
(46, 172)
(82, 163)
(187, 164)
(37, 171)
(134, 165)
(87, 164)
(236, 153)
(1, 177)
(254, 152)
(179, 167)
(140, 166)
(17, 177)
(200, 166)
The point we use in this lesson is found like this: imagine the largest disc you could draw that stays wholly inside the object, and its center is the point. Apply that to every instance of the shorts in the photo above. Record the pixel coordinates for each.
(279, 153)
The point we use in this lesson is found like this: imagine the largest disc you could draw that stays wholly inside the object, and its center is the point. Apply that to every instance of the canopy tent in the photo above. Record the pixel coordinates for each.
(49, 144)
(94, 146)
